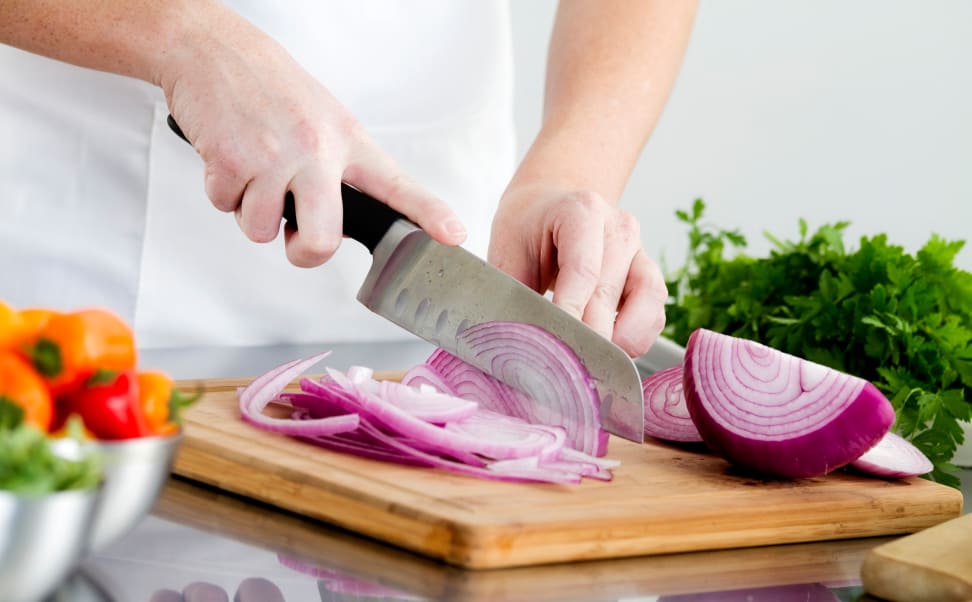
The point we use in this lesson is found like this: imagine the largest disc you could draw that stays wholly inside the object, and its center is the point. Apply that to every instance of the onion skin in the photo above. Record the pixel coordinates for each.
(851, 425)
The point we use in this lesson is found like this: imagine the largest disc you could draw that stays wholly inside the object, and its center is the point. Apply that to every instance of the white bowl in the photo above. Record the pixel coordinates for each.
(42, 538)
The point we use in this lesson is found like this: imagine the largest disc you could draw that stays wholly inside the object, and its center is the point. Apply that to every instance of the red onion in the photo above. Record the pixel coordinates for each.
(776, 413)
(553, 387)
(394, 422)
(666, 414)
(264, 389)
(893, 457)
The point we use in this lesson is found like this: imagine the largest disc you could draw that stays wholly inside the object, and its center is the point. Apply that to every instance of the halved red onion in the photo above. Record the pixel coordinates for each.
(553, 386)
(778, 414)
(894, 457)
(666, 414)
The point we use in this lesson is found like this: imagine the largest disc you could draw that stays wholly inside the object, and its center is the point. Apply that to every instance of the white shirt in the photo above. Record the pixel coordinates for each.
(103, 205)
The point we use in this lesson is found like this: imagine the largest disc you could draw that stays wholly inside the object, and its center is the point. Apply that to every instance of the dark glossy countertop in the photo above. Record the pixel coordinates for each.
(198, 534)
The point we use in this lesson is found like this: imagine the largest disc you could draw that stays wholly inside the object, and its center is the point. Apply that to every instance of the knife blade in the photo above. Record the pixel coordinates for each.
(436, 291)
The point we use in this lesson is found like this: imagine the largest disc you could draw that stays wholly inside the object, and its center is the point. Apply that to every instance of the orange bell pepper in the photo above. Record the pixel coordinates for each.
(155, 395)
(10, 326)
(19, 327)
(69, 347)
(161, 401)
(23, 387)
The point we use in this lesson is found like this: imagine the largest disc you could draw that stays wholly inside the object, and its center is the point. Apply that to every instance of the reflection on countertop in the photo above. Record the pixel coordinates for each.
(201, 534)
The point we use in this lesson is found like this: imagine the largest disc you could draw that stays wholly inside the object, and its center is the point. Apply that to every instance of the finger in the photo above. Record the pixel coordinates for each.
(257, 589)
(225, 181)
(261, 210)
(372, 171)
(166, 595)
(511, 258)
(317, 204)
(204, 592)
(641, 316)
(579, 240)
(622, 240)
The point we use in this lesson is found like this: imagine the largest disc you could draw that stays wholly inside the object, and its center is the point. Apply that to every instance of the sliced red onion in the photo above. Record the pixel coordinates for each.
(350, 412)
(894, 457)
(514, 442)
(552, 386)
(423, 374)
(255, 397)
(778, 414)
(666, 414)
(508, 474)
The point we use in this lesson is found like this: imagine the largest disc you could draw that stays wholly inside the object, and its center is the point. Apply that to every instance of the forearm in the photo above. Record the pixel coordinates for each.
(137, 38)
(611, 67)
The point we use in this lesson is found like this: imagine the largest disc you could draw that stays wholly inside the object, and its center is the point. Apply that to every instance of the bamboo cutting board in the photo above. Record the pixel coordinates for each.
(662, 499)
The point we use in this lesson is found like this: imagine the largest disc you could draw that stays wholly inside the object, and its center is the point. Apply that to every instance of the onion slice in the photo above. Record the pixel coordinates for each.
(350, 412)
(894, 457)
(553, 386)
(255, 397)
(666, 413)
(778, 414)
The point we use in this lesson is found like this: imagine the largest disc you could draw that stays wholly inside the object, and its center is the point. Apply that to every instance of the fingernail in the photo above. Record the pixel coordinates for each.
(455, 228)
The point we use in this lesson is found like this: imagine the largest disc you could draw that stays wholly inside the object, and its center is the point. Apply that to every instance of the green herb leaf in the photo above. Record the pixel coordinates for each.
(902, 321)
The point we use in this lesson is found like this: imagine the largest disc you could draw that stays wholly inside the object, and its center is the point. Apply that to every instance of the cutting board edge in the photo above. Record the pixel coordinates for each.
(431, 535)
(492, 546)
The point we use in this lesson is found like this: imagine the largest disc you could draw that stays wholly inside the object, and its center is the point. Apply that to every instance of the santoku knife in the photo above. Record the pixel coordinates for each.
(435, 291)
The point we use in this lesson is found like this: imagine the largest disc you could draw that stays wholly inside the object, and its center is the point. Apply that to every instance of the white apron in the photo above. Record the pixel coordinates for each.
(102, 205)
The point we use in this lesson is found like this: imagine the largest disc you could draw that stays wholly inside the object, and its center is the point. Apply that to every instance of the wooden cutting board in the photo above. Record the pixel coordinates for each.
(935, 564)
(662, 499)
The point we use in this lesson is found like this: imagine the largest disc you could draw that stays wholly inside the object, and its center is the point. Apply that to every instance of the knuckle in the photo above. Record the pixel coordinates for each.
(588, 200)
(267, 149)
(628, 225)
(607, 294)
(662, 291)
(307, 137)
(260, 233)
(313, 252)
(625, 229)
(353, 129)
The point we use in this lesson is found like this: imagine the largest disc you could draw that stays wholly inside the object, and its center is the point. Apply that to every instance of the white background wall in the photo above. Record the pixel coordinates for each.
(824, 109)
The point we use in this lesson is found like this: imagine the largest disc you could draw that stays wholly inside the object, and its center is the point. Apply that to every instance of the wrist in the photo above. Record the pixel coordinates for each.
(199, 33)
(560, 160)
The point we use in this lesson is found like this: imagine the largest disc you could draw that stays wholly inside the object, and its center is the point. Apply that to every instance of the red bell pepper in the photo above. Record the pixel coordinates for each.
(108, 403)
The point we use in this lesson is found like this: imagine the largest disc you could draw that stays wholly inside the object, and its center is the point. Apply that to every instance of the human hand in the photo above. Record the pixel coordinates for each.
(253, 589)
(262, 126)
(589, 252)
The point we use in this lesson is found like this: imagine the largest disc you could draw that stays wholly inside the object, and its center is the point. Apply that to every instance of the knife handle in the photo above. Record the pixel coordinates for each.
(366, 219)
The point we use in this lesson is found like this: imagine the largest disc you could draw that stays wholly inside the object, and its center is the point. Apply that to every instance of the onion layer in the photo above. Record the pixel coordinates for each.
(666, 413)
(553, 386)
(776, 413)
(894, 457)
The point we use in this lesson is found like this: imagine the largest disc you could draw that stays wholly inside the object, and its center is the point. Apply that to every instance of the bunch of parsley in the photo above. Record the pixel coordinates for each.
(902, 321)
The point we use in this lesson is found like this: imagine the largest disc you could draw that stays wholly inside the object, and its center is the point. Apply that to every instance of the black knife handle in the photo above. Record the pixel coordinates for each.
(366, 219)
